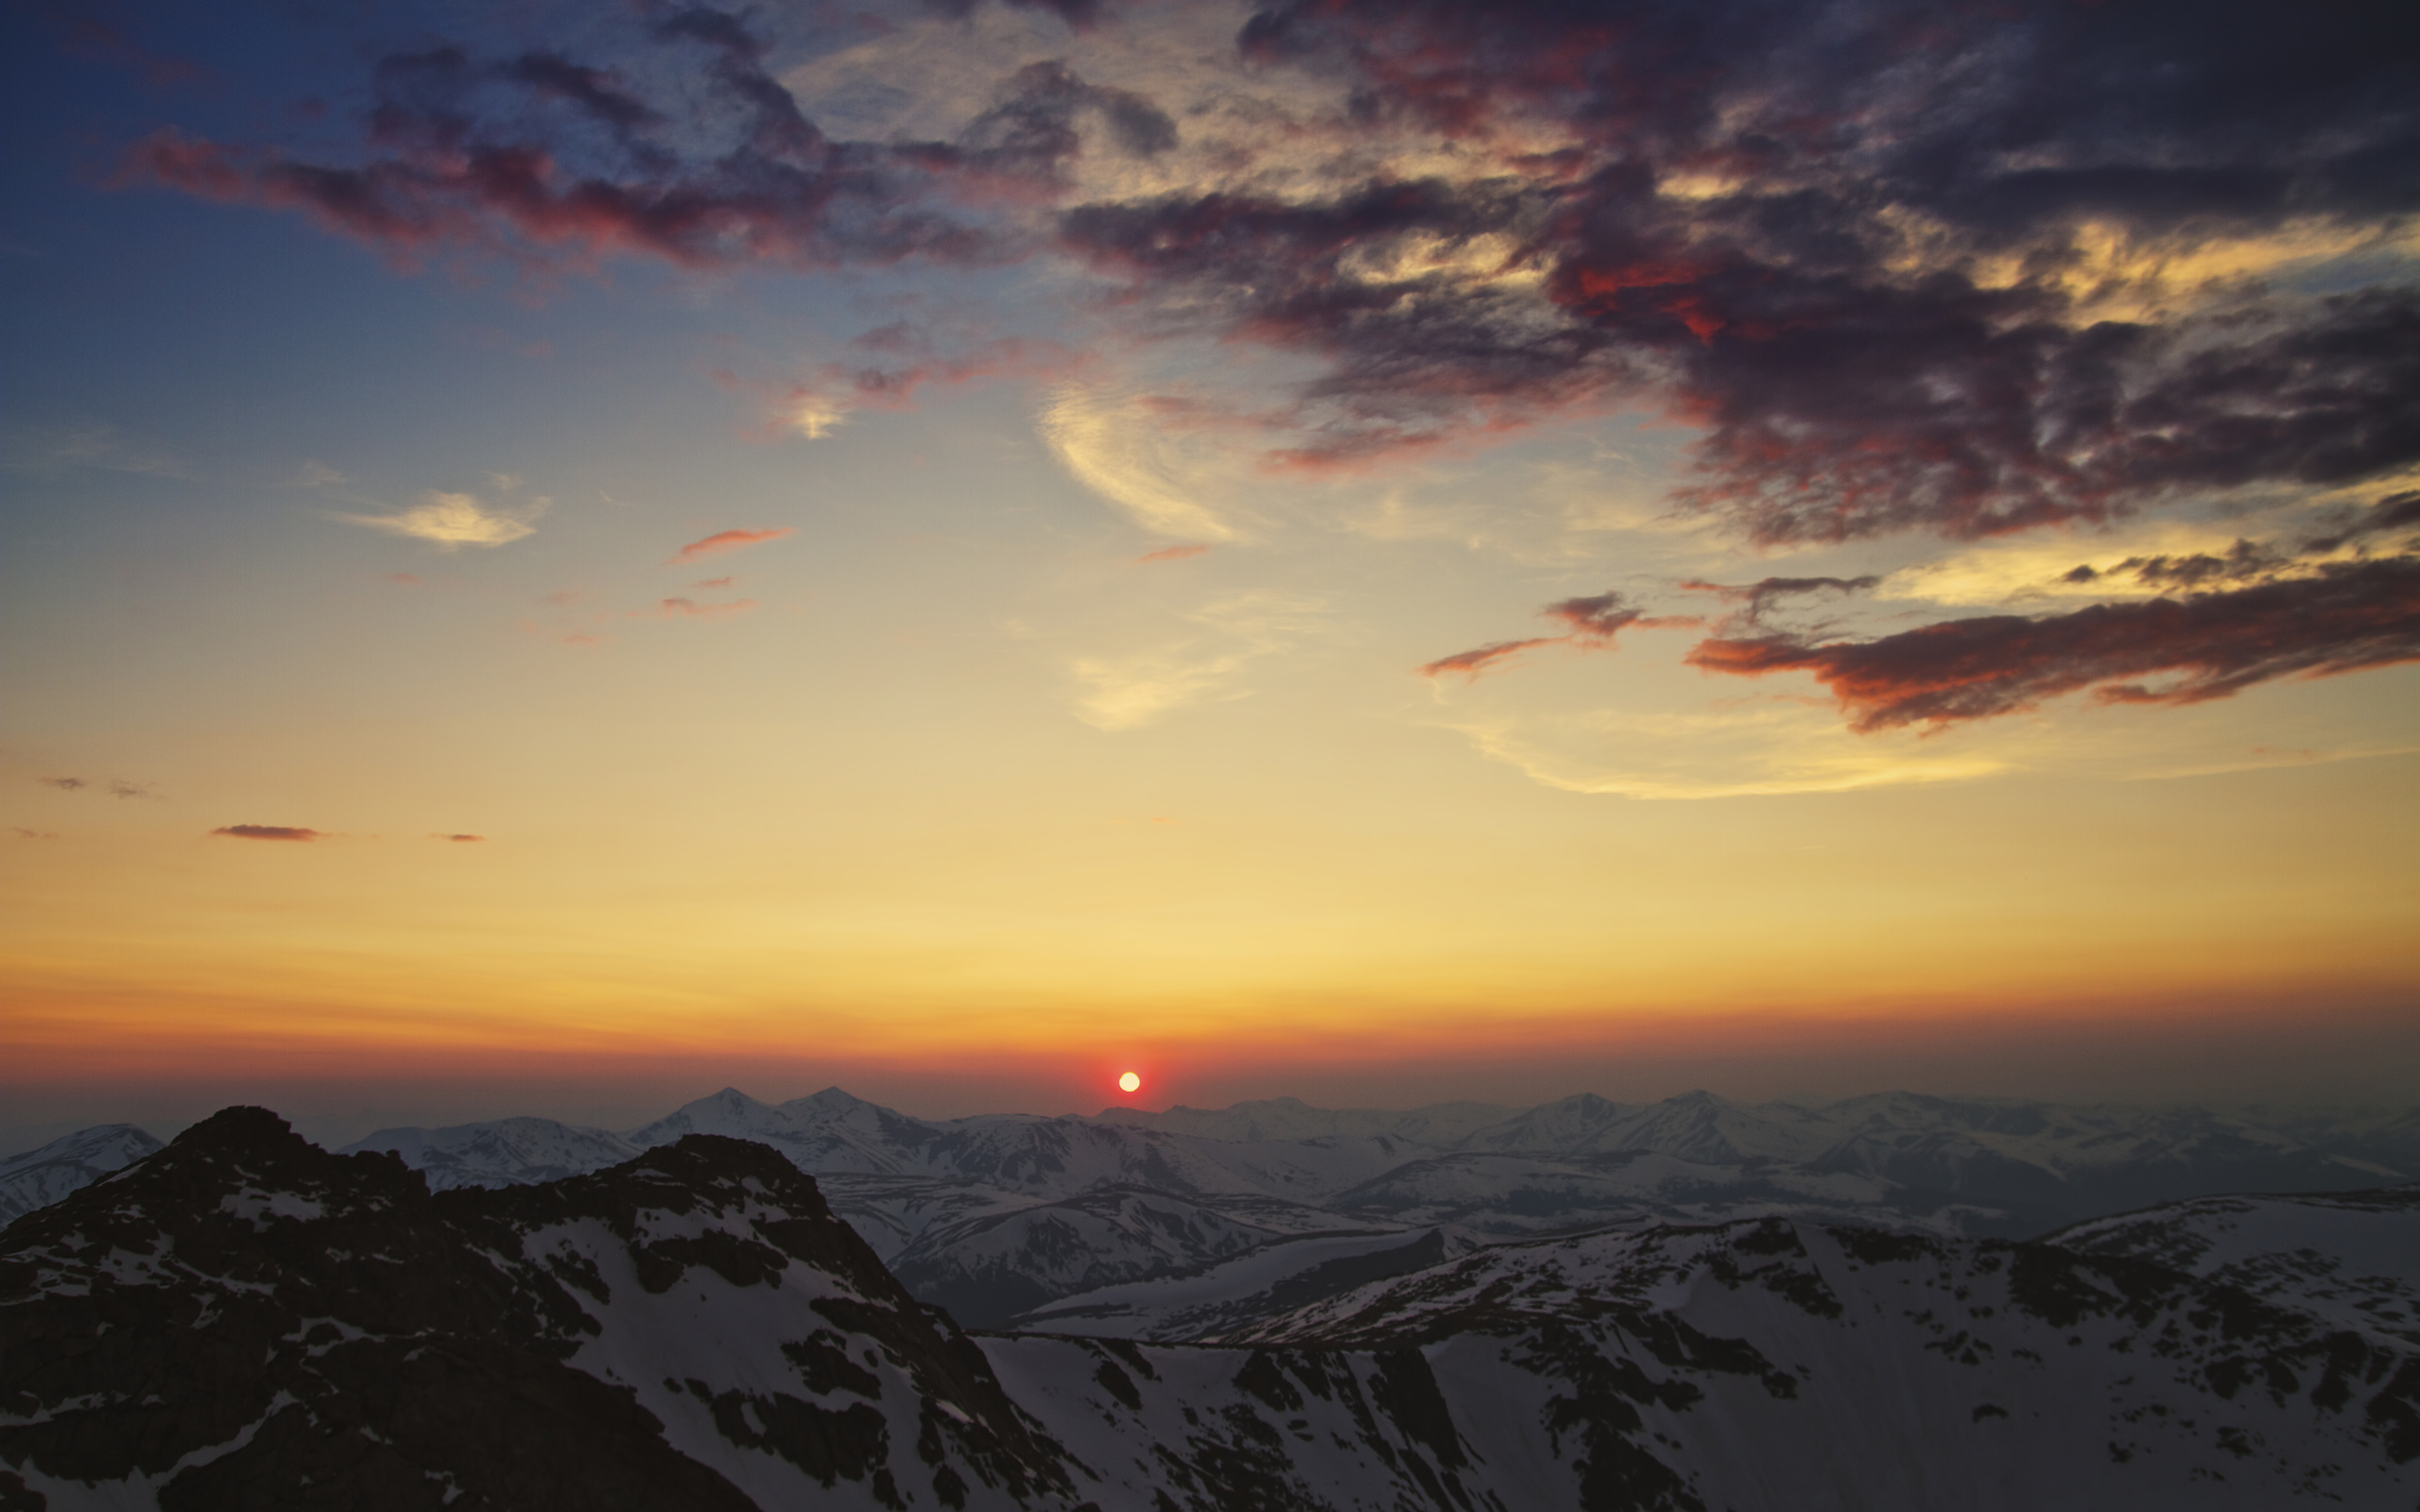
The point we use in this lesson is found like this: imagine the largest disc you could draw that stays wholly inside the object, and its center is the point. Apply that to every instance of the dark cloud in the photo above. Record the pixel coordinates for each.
(1076, 13)
(546, 159)
(265, 832)
(65, 784)
(1597, 618)
(1760, 595)
(2245, 561)
(460, 839)
(2396, 511)
(1849, 242)
(1031, 135)
(124, 789)
(23, 833)
(2344, 618)
(541, 158)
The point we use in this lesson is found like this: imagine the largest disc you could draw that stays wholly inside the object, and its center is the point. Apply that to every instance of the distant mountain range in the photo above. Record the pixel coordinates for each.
(1009, 1217)
(242, 1320)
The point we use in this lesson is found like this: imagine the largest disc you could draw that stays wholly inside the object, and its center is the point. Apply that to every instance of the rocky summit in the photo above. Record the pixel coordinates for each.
(242, 1320)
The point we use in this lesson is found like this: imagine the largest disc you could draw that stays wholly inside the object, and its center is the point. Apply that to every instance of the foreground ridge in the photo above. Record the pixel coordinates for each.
(242, 1320)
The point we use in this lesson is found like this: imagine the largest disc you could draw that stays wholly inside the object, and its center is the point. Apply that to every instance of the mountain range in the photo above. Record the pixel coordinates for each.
(1011, 1218)
(243, 1320)
(1001, 1215)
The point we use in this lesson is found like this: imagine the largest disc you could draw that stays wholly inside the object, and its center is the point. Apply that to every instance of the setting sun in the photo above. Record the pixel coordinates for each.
(1129, 1082)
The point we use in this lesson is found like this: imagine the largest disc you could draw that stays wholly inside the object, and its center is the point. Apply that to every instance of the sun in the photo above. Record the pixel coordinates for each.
(1129, 1082)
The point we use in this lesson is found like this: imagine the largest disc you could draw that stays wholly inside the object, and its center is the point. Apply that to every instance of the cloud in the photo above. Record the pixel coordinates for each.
(1765, 591)
(1122, 447)
(684, 148)
(672, 609)
(2395, 512)
(723, 541)
(1881, 291)
(1593, 622)
(44, 449)
(459, 839)
(316, 475)
(710, 583)
(1170, 554)
(1482, 658)
(2344, 617)
(65, 784)
(1232, 635)
(24, 833)
(1123, 693)
(124, 789)
(1898, 269)
(452, 520)
(265, 832)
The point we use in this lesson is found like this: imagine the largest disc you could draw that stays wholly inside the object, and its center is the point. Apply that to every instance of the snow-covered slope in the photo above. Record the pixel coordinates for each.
(1260, 1283)
(38, 1178)
(504, 1151)
(2349, 1257)
(990, 1268)
(1772, 1365)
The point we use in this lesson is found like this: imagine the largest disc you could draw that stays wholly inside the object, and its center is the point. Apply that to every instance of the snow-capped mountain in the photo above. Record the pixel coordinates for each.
(38, 1178)
(1003, 1215)
(242, 1320)
(504, 1151)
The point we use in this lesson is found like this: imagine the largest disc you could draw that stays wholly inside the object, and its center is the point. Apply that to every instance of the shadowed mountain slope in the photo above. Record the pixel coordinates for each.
(244, 1320)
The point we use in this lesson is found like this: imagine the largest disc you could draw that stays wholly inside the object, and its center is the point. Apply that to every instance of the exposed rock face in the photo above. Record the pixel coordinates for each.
(246, 1321)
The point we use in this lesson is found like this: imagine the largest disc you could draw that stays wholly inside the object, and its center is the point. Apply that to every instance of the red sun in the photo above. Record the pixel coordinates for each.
(1129, 1082)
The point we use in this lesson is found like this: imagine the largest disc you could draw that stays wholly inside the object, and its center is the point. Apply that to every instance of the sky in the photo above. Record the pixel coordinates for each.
(561, 556)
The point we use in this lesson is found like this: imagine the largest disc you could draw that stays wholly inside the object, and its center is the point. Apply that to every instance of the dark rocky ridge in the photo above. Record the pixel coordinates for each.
(251, 1322)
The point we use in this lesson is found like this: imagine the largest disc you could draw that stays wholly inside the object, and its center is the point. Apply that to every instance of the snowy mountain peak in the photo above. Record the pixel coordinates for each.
(38, 1178)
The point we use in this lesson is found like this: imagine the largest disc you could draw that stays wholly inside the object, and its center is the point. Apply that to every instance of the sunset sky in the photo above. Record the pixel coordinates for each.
(559, 555)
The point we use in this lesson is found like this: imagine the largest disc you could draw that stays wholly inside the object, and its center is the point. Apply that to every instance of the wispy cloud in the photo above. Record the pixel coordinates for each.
(1209, 666)
(459, 839)
(723, 541)
(452, 520)
(65, 784)
(1122, 693)
(265, 832)
(1170, 554)
(1123, 448)
(44, 449)
(1593, 622)
(686, 608)
(21, 833)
